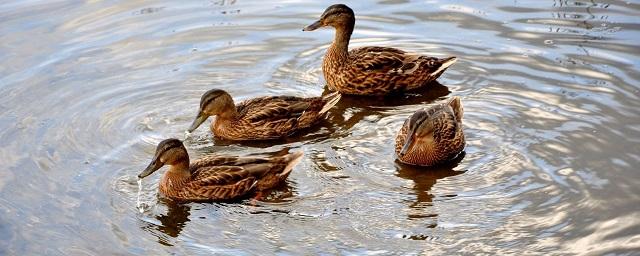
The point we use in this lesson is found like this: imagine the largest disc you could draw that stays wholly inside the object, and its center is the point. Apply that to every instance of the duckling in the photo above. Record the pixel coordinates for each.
(371, 70)
(216, 177)
(262, 118)
(432, 136)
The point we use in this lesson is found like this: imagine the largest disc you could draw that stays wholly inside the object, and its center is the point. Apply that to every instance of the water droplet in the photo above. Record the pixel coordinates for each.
(139, 204)
(549, 41)
(565, 171)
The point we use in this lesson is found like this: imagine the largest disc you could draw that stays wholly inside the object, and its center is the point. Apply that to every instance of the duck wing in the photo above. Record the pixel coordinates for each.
(392, 60)
(376, 59)
(218, 160)
(267, 172)
(273, 117)
(274, 108)
(220, 182)
(272, 171)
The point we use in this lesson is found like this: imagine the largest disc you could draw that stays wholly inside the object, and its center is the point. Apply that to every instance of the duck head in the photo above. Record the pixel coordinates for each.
(168, 152)
(213, 102)
(338, 16)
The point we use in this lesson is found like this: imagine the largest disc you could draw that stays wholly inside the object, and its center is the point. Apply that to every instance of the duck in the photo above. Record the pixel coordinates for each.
(214, 177)
(262, 118)
(371, 70)
(432, 136)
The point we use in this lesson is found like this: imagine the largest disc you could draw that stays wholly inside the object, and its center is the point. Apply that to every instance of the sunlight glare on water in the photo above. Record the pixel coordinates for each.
(550, 89)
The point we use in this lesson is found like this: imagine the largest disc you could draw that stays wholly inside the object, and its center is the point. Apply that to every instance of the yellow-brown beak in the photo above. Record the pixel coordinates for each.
(407, 145)
(152, 167)
(200, 118)
(314, 26)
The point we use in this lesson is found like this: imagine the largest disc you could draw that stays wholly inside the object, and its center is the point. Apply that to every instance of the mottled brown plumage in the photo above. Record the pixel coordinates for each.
(262, 118)
(432, 136)
(216, 177)
(371, 70)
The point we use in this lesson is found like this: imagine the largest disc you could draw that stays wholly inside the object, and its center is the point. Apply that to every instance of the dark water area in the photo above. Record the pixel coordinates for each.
(551, 92)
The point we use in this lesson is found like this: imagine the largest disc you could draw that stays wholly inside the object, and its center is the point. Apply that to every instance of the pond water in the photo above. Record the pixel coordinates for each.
(551, 91)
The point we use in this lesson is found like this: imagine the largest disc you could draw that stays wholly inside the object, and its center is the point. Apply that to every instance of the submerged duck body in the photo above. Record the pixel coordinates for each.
(215, 178)
(262, 118)
(371, 70)
(432, 136)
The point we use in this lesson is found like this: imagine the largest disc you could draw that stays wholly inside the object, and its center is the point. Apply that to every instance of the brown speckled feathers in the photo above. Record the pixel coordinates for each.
(371, 70)
(382, 70)
(262, 118)
(432, 136)
(273, 117)
(216, 177)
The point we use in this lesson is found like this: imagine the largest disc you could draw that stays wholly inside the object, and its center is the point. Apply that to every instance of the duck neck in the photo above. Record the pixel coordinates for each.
(177, 176)
(180, 166)
(340, 46)
(229, 111)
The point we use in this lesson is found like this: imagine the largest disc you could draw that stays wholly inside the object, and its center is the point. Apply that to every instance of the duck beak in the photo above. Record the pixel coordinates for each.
(153, 166)
(445, 64)
(314, 26)
(407, 145)
(200, 118)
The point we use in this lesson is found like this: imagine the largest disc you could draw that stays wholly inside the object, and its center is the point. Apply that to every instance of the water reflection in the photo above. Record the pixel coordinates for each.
(168, 225)
(175, 215)
(424, 178)
(551, 98)
(351, 110)
(175, 219)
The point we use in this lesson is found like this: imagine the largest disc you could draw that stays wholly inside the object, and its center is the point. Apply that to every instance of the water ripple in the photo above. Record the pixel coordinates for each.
(550, 92)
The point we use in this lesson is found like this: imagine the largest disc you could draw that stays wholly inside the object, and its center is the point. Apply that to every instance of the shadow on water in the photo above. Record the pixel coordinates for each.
(421, 208)
(550, 90)
(427, 94)
(169, 224)
(360, 107)
(175, 218)
(424, 178)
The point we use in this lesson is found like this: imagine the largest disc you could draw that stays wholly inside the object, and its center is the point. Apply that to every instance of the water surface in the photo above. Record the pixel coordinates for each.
(551, 91)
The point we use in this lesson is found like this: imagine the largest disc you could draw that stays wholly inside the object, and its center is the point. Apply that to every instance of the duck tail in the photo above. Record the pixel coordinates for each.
(331, 100)
(292, 160)
(444, 64)
(456, 105)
